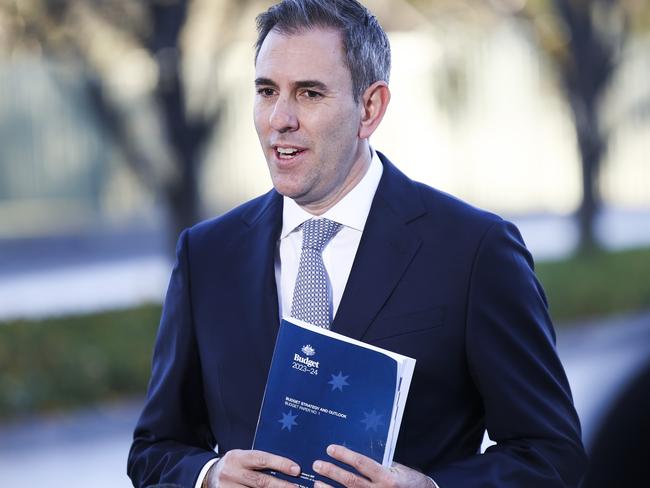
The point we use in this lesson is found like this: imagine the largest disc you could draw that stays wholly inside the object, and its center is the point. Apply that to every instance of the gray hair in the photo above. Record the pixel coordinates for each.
(366, 46)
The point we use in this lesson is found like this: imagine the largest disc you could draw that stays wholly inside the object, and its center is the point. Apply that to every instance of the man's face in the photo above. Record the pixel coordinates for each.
(306, 118)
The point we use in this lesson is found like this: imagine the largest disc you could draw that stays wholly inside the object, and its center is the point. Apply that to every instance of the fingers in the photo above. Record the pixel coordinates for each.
(244, 468)
(265, 460)
(320, 484)
(257, 479)
(333, 472)
(369, 468)
(370, 474)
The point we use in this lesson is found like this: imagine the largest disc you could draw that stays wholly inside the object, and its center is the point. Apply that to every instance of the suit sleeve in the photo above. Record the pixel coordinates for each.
(172, 441)
(510, 348)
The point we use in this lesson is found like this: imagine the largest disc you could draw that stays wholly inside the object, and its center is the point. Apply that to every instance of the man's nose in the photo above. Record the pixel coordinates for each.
(284, 117)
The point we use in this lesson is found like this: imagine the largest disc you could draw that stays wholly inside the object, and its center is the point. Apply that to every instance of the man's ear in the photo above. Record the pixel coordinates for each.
(374, 102)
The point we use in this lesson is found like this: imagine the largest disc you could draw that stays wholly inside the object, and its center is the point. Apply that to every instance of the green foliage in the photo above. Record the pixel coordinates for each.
(61, 363)
(597, 284)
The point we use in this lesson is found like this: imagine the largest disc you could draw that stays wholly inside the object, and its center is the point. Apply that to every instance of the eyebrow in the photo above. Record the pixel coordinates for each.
(315, 84)
(318, 85)
(264, 81)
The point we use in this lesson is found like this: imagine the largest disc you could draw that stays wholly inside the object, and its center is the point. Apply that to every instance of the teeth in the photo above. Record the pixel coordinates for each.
(287, 150)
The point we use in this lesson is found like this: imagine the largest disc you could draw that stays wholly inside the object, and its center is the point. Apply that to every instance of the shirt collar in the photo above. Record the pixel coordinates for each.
(351, 211)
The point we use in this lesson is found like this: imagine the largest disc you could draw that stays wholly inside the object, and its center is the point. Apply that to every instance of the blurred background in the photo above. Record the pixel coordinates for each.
(123, 122)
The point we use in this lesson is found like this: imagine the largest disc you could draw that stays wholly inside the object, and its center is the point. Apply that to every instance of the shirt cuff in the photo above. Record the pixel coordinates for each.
(435, 485)
(204, 472)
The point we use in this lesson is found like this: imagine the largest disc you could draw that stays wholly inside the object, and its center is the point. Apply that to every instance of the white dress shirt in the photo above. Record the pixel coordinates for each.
(351, 212)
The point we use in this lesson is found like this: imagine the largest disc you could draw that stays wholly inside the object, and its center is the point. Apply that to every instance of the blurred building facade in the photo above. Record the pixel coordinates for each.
(476, 112)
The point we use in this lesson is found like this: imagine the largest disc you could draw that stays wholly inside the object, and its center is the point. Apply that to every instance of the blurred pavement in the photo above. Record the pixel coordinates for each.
(600, 358)
(84, 449)
(72, 274)
(89, 448)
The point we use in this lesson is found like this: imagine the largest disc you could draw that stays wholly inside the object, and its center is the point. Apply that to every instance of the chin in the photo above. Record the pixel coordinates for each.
(287, 186)
(286, 190)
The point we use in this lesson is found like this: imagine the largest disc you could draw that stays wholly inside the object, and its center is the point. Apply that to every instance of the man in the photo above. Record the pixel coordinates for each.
(410, 269)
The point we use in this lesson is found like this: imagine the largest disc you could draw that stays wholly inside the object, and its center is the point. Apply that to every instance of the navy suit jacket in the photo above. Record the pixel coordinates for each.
(434, 279)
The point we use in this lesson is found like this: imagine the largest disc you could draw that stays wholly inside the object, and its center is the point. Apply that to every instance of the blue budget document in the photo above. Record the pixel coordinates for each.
(324, 388)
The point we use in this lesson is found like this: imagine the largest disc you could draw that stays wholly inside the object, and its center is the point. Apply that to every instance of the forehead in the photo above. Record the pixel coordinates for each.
(306, 53)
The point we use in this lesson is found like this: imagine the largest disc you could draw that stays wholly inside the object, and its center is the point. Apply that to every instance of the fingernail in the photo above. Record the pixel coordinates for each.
(330, 450)
(295, 470)
(317, 466)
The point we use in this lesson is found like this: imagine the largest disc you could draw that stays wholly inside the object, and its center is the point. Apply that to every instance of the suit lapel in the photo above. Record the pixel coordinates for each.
(387, 247)
(264, 223)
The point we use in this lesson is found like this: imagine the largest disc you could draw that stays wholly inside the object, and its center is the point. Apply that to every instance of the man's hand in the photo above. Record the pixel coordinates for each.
(374, 474)
(242, 468)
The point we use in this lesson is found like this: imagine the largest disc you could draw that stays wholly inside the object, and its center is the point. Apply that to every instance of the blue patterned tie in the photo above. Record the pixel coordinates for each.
(311, 294)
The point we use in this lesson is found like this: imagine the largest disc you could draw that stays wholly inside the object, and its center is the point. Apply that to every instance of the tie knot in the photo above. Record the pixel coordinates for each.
(316, 233)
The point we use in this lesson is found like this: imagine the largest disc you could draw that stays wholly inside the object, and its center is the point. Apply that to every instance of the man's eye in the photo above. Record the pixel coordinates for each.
(265, 92)
(313, 94)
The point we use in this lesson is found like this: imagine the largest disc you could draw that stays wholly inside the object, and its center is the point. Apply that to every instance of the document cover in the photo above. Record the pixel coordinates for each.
(324, 388)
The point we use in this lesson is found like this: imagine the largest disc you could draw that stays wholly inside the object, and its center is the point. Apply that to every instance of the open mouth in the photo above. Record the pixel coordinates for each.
(286, 152)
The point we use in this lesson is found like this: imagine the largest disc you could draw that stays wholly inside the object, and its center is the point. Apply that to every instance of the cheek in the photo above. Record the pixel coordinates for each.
(342, 133)
(259, 118)
(347, 122)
